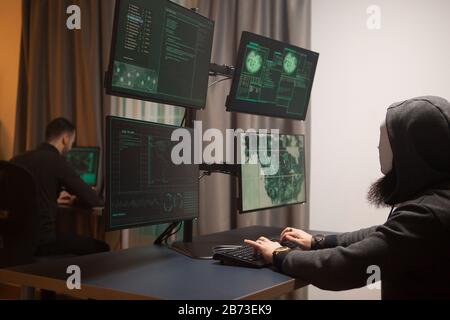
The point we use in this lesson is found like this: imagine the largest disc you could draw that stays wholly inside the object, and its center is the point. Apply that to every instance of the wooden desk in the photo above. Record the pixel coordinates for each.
(157, 273)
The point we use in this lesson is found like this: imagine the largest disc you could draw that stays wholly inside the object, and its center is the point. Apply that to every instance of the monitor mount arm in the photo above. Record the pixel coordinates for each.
(188, 227)
(208, 169)
(221, 70)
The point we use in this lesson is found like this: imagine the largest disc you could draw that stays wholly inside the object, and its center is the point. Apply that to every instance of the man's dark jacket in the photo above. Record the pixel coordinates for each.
(52, 172)
(412, 249)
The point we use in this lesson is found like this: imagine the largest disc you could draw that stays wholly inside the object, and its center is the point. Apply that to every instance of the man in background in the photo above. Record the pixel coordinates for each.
(52, 173)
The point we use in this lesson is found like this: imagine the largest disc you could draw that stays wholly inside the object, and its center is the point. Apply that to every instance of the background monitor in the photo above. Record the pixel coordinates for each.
(287, 186)
(160, 52)
(143, 186)
(85, 161)
(272, 78)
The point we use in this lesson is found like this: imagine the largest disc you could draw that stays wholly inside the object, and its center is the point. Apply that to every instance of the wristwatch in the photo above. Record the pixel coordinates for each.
(317, 241)
(279, 250)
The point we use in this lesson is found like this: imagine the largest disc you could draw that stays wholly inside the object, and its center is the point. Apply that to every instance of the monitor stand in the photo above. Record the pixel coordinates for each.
(195, 250)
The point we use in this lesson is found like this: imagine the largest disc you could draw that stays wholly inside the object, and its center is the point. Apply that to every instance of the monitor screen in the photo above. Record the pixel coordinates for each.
(160, 52)
(272, 78)
(143, 185)
(271, 179)
(85, 162)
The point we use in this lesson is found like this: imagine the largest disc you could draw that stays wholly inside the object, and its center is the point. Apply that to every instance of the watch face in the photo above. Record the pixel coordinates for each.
(281, 249)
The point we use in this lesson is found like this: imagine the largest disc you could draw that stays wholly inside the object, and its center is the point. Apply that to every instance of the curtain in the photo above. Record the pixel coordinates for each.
(61, 70)
(284, 20)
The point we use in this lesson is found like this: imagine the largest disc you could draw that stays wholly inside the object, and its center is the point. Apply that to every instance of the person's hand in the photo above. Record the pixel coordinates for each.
(66, 199)
(302, 238)
(265, 247)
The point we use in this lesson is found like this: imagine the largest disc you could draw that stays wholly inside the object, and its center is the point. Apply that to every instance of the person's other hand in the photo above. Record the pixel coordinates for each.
(66, 199)
(265, 247)
(302, 238)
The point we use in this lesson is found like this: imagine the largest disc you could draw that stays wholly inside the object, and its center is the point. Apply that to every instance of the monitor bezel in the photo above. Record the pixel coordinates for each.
(108, 225)
(235, 105)
(110, 90)
(96, 150)
(240, 201)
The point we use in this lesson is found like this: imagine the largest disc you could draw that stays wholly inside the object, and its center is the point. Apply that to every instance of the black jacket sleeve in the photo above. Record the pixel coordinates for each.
(347, 238)
(74, 185)
(388, 247)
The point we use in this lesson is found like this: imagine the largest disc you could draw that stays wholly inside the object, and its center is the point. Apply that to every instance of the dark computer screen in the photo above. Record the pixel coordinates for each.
(143, 185)
(160, 52)
(267, 181)
(272, 78)
(85, 162)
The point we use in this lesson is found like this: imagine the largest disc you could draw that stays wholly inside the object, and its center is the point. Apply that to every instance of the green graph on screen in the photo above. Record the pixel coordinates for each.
(281, 78)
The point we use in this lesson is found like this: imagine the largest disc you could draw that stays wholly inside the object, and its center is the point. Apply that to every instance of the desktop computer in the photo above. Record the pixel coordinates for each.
(272, 78)
(143, 185)
(160, 52)
(85, 161)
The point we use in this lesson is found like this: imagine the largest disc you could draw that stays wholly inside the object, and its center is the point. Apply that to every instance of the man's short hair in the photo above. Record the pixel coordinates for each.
(57, 127)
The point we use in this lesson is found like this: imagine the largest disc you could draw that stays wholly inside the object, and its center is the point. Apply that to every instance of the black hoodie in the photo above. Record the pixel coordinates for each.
(412, 249)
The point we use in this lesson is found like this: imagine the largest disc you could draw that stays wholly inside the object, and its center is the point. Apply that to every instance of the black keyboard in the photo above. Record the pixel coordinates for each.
(244, 256)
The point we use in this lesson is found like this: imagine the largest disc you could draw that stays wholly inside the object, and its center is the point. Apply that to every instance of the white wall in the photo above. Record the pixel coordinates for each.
(360, 73)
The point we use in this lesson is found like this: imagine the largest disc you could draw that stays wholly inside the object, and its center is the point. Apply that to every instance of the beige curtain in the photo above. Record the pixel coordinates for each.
(61, 74)
(285, 20)
(61, 71)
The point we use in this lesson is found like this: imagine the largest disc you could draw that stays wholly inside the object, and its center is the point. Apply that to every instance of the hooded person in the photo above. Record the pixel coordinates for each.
(410, 252)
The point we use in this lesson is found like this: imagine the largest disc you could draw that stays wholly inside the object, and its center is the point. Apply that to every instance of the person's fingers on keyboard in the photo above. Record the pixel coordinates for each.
(292, 238)
(288, 233)
(298, 241)
(284, 232)
(255, 245)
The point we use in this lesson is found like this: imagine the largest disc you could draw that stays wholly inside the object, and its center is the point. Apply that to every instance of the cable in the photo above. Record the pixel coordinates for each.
(183, 121)
(206, 173)
(180, 224)
(163, 235)
(217, 81)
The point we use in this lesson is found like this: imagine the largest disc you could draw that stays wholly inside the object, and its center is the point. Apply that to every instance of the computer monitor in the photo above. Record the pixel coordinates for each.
(143, 185)
(85, 161)
(272, 78)
(160, 52)
(270, 179)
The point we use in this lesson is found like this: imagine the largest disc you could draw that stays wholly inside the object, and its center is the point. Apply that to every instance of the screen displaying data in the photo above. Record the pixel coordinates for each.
(274, 183)
(85, 162)
(272, 78)
(144, 186)
(161, 52)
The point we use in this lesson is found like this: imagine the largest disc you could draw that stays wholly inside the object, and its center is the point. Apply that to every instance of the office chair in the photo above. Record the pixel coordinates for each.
(18, 218)
(18, 215)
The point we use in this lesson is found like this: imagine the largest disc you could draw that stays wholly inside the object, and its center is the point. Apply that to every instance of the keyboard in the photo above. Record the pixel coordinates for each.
(244, 256)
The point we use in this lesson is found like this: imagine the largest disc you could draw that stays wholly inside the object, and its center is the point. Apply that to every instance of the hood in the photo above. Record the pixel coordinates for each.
(419, 133)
